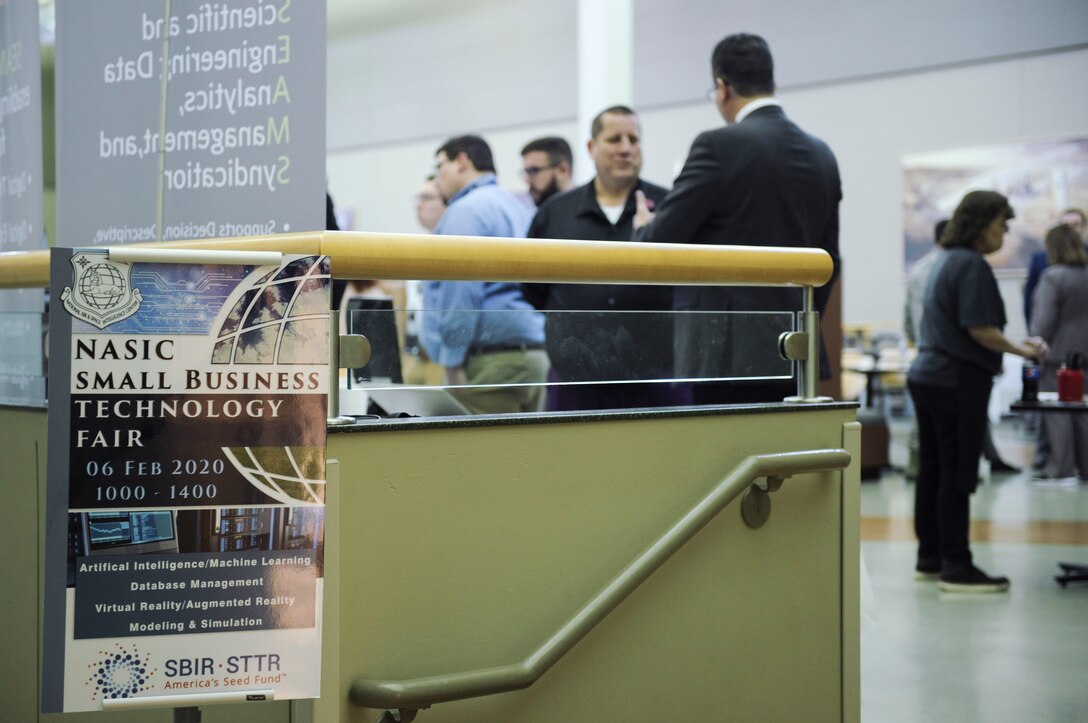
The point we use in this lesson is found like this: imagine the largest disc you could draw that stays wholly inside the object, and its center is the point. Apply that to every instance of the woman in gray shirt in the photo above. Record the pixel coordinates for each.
(1060, 316)
(959, 353)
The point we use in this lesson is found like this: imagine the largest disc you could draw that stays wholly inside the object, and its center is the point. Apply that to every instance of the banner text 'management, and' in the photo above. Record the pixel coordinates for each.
(217, 141)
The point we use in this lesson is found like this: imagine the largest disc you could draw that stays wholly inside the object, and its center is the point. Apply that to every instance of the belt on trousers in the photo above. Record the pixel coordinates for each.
(496, 348)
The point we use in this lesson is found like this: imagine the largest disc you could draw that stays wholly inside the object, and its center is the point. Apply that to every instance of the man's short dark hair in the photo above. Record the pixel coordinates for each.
(744, 62)
(557, 149)
(598, 120)
(976, 211)
(476, 148)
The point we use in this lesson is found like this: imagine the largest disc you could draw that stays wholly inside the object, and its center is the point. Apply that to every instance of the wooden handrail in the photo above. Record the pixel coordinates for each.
(358, 255)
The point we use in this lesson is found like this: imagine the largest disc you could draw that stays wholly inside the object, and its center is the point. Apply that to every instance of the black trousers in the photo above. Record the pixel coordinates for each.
(951, 428)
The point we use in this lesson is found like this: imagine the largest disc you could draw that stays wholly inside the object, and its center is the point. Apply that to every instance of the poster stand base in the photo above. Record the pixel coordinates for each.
(187, 715)
(186, 707)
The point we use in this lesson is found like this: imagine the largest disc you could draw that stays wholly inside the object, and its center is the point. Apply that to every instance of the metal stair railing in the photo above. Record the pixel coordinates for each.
(416, 693)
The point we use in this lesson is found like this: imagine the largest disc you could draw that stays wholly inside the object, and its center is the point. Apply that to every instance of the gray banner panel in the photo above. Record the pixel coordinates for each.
(218, 111)
(22, 377)
(20, 132)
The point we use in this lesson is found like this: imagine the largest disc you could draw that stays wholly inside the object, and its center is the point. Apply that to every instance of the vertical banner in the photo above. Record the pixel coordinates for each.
(185, 498)
(189, 119)
(22, 373)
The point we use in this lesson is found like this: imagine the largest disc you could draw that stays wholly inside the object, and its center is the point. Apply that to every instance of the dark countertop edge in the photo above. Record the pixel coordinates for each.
(505, 420)
(26, 407)
(496, 420)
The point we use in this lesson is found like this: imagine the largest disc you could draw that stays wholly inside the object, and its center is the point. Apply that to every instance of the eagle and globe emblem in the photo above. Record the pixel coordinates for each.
(101, 286)
(101, 291)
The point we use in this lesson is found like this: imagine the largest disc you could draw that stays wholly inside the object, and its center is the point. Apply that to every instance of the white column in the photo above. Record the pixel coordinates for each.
(605, 68)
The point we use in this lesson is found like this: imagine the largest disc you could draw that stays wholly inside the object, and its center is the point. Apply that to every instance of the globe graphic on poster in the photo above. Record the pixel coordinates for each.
(280, 318)
(101, 286)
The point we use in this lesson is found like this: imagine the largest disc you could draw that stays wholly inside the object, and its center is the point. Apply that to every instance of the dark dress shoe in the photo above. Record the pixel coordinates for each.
(1003, 467)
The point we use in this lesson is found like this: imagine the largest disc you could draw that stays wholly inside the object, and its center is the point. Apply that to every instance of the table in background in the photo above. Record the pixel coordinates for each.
(1048, 404)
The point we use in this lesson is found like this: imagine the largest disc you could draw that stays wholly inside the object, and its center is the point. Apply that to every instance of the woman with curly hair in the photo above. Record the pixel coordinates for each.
(960, 349)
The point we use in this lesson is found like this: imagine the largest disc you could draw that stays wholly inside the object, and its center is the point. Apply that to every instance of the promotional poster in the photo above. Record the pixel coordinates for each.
(186, 480)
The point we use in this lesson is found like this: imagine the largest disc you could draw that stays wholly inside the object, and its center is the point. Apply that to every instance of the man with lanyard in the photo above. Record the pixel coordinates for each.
(608, 347)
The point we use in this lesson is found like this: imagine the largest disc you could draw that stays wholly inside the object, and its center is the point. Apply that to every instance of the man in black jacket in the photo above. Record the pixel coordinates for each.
(759, 181)
(605, 346)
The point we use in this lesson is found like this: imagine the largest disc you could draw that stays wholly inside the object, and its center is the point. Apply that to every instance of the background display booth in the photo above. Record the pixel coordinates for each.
(692, 563)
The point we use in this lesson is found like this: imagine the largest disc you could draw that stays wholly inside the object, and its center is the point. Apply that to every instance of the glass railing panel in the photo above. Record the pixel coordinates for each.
(23, 358)
(553, 349)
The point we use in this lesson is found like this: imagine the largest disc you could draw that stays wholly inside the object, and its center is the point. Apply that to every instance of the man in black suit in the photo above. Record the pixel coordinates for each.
(759, 181)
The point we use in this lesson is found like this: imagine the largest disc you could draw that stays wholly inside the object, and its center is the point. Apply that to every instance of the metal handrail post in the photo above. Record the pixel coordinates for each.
(811, 320)
(334, 416)
(808, 372)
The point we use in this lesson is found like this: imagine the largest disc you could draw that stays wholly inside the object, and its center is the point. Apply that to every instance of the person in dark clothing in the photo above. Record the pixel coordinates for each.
(960, 350)
(760, 180)
(618, 344)
(912, 323)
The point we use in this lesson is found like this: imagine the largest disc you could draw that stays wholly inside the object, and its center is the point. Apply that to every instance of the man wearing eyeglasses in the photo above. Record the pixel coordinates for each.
(484, 333)
(547, 165)
(612, 346)
(760, 180)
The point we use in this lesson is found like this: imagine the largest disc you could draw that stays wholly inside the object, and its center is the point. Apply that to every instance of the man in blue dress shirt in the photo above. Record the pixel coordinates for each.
(483, 333)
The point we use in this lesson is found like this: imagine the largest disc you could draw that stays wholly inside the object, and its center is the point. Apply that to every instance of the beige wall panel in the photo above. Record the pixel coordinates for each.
(21, 438)
(466, 548)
